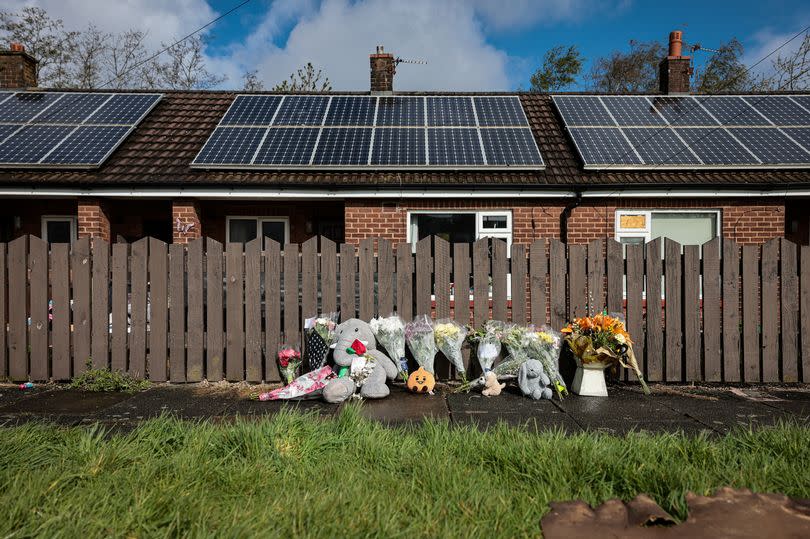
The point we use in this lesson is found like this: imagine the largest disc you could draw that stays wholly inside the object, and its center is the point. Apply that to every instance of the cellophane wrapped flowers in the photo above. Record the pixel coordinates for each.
(450, 337)
(319, 333)
(421, 341)
(390, 333)
(603, 339)
(514, 338)
(289, 359)
(544, 346)
(489, 344)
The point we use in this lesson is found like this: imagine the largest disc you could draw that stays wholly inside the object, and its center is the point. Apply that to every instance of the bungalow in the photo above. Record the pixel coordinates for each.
(179, 165)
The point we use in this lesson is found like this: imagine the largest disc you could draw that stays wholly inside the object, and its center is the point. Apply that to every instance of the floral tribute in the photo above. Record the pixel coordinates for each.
(319, 333)
(603, 339)
(390, 333)
(422, 341)
(544, 346)
(289, 360)
(450, 338)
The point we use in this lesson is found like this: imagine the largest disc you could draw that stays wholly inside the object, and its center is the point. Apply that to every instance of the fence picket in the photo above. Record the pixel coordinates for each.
(615, 276)
(596, 278)
(691, 310)
(80, 272)
(654, 328)
(253, 310)
(234, 313)
(309, 278)
(100, 331)
(329, 276)
(750, 302)
(385, 277)
(348, 287)
(770, 311)
(577, 282)
(139, 306)
(404, 281)
(118, 315)
(499, 273)
(731, 311)
(272, 306)
(3, 311)
(461, 290)
(480, 260)
(441, 272)
(195, 325)
(366, 280)
(17, 309)
(712, 360)
(214, 338)
(635, 302)
(804, 309)
(424, 276)
(672, 310)
(38, 298)
(60, 325)
(158, 297)
(518, 273)
(538, 270)
(177, 313)
(292, 315)
(789, 332)
(557, 275)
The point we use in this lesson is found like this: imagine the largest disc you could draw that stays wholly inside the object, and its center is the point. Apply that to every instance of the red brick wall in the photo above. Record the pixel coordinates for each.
(17, 70)
(93, 219)
(185, 213)
(741, 219)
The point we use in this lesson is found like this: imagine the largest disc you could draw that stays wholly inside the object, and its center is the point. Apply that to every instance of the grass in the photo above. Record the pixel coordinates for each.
(104, 380)
(299, 475)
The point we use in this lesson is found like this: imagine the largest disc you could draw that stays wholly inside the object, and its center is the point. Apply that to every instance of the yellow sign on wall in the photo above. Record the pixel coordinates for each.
(633, 221)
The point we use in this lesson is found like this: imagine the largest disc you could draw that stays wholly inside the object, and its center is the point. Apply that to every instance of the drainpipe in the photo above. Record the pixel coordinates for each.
(566, 213)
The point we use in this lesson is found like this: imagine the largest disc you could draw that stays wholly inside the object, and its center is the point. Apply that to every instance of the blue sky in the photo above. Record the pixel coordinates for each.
(469, 44)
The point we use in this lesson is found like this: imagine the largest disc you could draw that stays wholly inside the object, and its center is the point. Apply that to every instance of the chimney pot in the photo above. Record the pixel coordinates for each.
(17, 47)
(675, 43)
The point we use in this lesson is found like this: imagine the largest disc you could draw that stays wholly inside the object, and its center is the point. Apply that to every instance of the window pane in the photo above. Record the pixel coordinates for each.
(58, 231)
(494, 221)
(685, 228)
(453, 227)
(273, 230)
(242, 230)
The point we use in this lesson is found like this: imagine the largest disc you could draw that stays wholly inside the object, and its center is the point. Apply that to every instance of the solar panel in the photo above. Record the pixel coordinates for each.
(583, 111)
(454, 146)
(24, 106)
(343, 146)
(633, 110)
(500, 111)
(682, 111)
(770, 145)
(780, 109)
(603, 146)
(124, 109)
(731, 110)
(288, 146)
(715, 146)
(450, 111)
(398, 146)
(351, 110)
(302, 110)
(802, 100)
(659, 146)
(252, 110)
(231, 145)
(509, 146)
(401, 111)
(72, 109)
(8, 129)
(87, 145)
(32, 143)
(800, 135)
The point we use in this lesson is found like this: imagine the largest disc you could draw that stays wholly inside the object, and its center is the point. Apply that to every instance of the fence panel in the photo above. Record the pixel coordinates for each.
(329, 276)
(654, 329)
(789, 330)
(635, 302)
(4, 311)
(38, 328)
(804, 307)
(118, 316)
(195, 325)
(234, 314)
(348, 290)
(385, 277)
(711, 311)
(750, 302)
(140, 304)
(253, 310)
(577, 282)
(309, 278)
(518, 284)
(366, 265)
(538, 270)
(461, 284)
(481, 265)
(441, 272)
(60, 325)
(557, 282)
(691, 310)
(731, 311)
(404, 281)
(80, 271)
(770, 311)
(292, 318)
(424, 274)
(672, 310)
(158, 296)
(177, 313)
(18, 309)
(499, 272)
(615, 276)
(100, 331)
(596, 278)
(214, 337)
(272, 307)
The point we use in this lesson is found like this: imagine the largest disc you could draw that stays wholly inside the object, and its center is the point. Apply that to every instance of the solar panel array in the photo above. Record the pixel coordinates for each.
(752, 131)
(358, 131)
(76, 130)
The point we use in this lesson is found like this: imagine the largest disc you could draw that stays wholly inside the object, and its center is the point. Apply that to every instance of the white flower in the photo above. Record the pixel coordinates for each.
(619, 338)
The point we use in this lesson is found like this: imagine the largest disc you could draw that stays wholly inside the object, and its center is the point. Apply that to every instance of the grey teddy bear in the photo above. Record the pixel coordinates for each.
(533, 381)
(374, 387)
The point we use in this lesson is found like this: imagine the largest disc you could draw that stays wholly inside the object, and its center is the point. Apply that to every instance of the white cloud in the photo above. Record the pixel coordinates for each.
(763, 43)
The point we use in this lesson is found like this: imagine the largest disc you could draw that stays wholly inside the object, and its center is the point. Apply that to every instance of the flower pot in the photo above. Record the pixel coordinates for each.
(589, 380)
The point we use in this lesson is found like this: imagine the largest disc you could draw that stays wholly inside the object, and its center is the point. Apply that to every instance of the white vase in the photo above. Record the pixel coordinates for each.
(589, 380)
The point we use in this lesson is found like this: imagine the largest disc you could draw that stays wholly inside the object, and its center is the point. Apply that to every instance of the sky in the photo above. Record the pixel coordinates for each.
(467, 44)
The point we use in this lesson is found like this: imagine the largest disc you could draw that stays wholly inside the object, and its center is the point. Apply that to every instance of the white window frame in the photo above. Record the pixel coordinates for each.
(259, 220)
(74, 225)
(480, 231)
(647, 232)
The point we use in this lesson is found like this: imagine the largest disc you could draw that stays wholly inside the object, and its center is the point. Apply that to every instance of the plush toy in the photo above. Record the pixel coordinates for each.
(491, 386)
(533, 381)
(374, 386)
(421, 381)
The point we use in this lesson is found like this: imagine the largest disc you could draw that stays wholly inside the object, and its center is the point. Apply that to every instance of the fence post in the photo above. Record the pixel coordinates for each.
(17, 309)
(38, 329)
(790, 312)
(100, 331)
(139, 305)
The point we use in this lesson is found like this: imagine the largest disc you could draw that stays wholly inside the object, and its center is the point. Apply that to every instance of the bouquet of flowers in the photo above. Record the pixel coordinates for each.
(308, 386)
(390, 333)
(362, 363)
(489, 344)
(515, 339)
(421, 341)
(289, 359)
(544, 346)
(602, 339)
(319, 332)
(450, 337)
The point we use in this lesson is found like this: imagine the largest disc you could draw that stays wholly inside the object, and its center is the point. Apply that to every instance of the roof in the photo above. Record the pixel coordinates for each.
(160, 150)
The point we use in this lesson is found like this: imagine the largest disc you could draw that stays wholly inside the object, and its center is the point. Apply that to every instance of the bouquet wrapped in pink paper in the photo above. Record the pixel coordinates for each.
(289, 359)
(308, 386)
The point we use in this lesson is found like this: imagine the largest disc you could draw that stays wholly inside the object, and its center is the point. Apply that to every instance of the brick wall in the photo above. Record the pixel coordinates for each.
(93, 219)
(741, 219)
(186, 215)
(17, 70)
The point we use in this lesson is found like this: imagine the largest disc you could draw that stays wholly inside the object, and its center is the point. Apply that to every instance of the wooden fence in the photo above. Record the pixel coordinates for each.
(183, 313)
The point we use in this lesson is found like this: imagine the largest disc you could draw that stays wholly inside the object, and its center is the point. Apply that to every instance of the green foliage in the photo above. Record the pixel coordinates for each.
(561, 66)
(106, 381)
(298, 475)
(724, 72)
(635, 71)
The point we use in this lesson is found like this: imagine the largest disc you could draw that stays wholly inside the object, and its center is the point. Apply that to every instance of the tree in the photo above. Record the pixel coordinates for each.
(184, 68)
(305, 80)
(251, 82)
(630, 72)
(560, 68)
(792, 71)
(724, 71)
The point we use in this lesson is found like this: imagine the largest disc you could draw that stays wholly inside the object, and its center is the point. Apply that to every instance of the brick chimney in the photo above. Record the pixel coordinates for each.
(18, 69)
(675, 70)
(383, 68)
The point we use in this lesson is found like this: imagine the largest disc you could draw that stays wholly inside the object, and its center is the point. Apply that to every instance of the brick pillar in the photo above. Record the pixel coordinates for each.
(93, 219)
(186, 225)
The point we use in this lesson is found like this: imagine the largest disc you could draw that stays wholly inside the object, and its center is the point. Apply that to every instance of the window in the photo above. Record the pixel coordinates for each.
(245, 229)
(461, 227)
(687, 227)
(59, 229)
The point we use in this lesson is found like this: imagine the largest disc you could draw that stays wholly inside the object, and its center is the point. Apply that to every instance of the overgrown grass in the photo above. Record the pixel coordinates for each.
(106, 381)
(300, 475)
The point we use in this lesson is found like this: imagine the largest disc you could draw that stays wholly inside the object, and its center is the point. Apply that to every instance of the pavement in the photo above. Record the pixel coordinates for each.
(689, 409)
